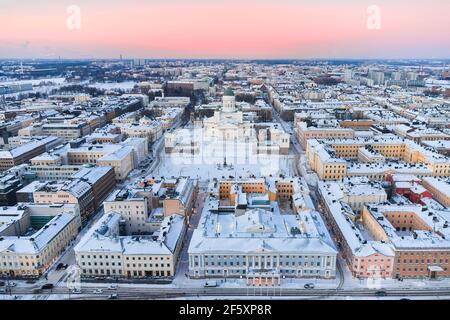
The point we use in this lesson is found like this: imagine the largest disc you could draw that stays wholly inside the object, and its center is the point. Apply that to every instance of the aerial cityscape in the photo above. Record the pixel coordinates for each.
(222, 176)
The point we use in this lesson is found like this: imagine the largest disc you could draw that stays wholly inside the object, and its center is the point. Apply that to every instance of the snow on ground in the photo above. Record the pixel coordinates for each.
(354, 283)
(197, 166)
(126, 85)
(311, 179)
(56, 84)
(34, 82)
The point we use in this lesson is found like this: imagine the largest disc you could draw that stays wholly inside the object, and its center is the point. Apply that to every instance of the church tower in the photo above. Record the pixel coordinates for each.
(229, 101)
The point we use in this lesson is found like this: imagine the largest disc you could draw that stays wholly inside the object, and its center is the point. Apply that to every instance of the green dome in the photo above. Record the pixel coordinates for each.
(228, 92)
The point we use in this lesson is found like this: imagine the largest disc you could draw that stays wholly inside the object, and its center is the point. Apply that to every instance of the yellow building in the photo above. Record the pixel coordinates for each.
(275, 188)
(304, 133)
(31, 256)
(328, 157)
(122, 161)
(324, 163)
(439, 188)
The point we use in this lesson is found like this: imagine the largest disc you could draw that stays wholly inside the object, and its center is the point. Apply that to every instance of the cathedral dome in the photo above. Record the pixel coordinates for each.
(228, 92)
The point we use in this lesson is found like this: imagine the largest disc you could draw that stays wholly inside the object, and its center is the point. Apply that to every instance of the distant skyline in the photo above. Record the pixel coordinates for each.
(245, 29)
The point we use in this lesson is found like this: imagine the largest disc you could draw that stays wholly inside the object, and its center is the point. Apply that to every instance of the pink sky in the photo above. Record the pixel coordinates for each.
(225, 29)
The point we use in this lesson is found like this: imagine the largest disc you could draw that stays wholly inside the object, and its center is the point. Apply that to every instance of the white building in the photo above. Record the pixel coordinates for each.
(261, 246)
(103, 251)
(228, 134)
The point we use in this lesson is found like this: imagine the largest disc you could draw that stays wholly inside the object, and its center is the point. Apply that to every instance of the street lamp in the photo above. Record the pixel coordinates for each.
(8, 287)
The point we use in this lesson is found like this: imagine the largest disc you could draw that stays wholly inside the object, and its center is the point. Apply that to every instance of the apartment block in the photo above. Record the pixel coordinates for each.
(105, 251)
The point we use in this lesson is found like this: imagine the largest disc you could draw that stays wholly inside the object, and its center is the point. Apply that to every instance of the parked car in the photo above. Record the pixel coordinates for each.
(98, 291)
(309, 286)
(112, 296)
(2, 290)
(11, 284)
(113, 287)
(210, 284)
(2, 283)
(75, 291)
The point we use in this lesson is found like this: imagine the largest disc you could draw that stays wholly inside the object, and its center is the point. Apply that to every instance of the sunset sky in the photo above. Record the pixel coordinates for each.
(224, 29)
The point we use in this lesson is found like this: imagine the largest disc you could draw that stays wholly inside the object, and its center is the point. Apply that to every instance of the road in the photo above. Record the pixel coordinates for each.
(183, 262)
(287, 127)
(129, 292)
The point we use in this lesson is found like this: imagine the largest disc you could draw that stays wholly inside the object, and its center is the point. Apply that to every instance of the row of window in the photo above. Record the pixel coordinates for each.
(262, 257)
(416, 269)
(135, 273)
(411, 261)
(126, 258)
(268, 265)
(133, 265)
(220, 272)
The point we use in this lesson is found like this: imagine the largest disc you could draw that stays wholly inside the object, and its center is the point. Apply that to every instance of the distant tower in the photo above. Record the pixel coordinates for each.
(229, 101)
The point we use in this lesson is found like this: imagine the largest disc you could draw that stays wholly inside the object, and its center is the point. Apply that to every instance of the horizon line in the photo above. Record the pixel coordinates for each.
(232, 59)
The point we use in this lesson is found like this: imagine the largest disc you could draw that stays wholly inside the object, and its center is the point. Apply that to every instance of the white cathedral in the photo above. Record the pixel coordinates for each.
(228, 124)
(227, 127)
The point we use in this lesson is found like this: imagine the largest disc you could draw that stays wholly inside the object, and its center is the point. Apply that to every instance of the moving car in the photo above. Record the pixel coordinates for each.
(47, 286)
(309, 286)
(113, 287)
(112, 296)
(61, 266)
(380, 293)
(98, 291)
